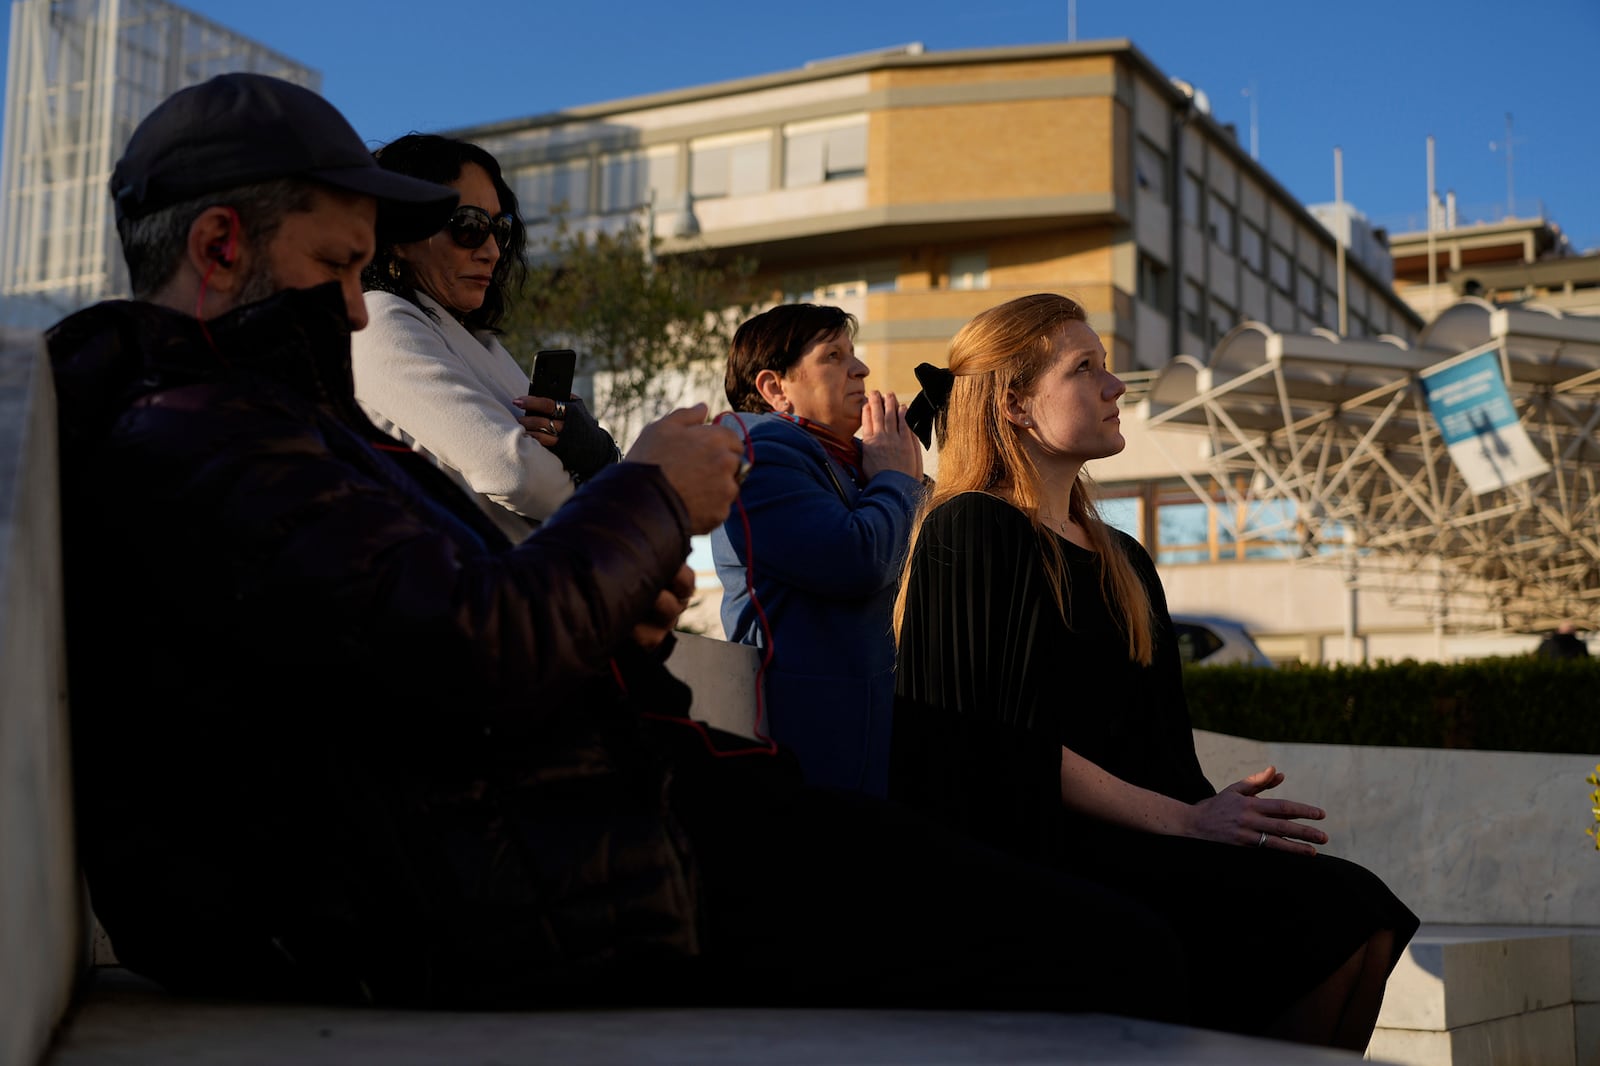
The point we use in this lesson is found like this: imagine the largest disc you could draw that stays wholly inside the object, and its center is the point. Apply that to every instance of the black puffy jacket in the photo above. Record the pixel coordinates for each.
(334, 735)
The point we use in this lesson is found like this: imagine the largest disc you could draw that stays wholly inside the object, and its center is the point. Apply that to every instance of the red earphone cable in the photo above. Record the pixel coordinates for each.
(200, 304)
(768, 745)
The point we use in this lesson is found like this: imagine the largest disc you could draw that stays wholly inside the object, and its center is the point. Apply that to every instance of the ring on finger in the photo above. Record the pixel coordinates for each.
(561, 411)
(1263, 839)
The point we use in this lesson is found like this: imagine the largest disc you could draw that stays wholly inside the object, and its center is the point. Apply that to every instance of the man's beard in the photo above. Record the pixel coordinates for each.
(258, 284)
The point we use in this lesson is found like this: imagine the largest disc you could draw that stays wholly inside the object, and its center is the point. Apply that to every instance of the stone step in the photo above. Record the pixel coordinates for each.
(1465, 995)
(124, 1019)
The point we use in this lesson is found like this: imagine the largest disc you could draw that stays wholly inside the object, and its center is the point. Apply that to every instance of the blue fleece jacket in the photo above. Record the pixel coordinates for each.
(827, 564)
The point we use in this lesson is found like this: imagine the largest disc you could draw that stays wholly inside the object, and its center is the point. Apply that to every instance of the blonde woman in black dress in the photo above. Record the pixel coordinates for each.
(1039, 701)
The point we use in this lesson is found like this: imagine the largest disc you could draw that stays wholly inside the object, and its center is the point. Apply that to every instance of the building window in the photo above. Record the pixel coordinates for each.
(834, 291)
(1221, 220)
(1252, 247)
(1194, 303)
(735, 165)
(1330, 308)
(1310, 294)
(1259, 529)
(1191, 198)
(1224, 527)
(1223, 318)
(1184, 532)
(1282, 265)
(1154, 284)
(969, 270)
(829, 150)
(1121, 512)
(629, 180)
(1150, 170)
(881, 276)
(552, 188)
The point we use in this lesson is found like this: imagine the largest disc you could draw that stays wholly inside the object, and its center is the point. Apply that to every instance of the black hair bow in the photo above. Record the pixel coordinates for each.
(935, 394)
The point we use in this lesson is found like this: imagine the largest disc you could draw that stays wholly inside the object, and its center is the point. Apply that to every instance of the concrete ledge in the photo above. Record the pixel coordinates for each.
(1450, 981)
(1468, 837)
(40, 909)
(1586, 1033)
(1538, 1038)
(123, 1019)
(723, 677)
(1464, 995)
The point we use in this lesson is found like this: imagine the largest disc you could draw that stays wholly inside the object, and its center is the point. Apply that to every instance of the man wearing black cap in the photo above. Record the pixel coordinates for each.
(336, 737)
(277, 616)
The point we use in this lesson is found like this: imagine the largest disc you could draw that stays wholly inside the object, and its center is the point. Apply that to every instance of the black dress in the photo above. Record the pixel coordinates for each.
(991, 682)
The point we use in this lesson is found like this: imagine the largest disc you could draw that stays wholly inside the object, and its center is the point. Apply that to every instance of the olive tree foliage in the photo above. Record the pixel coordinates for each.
(652, 332)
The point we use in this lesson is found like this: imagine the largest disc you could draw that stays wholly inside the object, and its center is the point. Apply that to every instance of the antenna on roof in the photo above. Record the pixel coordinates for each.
(1495, 146)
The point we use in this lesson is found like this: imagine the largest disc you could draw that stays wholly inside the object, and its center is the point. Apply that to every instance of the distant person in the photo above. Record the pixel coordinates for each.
(1564, 643)
(1040, 701)
(338, 738)
(429, 367)
(828, 518)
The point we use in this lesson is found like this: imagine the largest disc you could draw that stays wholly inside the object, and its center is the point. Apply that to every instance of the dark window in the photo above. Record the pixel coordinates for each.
(1195, 642)
(1154, 283)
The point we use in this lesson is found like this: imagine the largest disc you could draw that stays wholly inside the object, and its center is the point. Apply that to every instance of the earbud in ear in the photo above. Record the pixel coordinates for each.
(221, 252)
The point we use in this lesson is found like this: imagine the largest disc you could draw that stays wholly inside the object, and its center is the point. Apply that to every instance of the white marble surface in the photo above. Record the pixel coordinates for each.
(1448, 984)
(126, 1020)
(1586, 968)
(1538, 1038)
(1474, 837)
(39, 915)
(723, 677)
(1586, 1033)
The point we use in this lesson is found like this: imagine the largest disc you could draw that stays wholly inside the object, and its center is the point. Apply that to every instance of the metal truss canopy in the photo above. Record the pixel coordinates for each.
(1334, 436)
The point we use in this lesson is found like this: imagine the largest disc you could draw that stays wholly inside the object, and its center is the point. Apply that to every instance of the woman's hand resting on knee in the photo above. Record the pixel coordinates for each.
(1240, 815)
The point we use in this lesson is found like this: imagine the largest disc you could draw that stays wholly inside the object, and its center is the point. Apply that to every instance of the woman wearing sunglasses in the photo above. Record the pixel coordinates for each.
(429, 369)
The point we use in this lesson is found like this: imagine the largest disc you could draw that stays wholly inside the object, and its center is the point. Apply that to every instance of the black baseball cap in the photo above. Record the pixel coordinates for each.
(240, 129)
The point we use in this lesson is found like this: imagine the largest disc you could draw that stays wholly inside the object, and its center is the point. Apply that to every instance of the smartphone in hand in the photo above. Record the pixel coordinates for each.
(552, 374)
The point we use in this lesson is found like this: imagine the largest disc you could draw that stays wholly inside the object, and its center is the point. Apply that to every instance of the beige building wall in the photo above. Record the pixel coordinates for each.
(972, 178)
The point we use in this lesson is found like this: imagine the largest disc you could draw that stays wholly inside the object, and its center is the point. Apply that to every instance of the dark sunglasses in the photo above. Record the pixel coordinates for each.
(469, 227)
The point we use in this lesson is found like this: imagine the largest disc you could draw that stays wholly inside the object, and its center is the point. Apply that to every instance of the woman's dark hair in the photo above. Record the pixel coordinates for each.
(775, 340)
(441, 159)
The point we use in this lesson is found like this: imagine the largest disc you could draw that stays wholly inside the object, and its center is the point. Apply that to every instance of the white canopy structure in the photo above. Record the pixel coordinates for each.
(1334, 441)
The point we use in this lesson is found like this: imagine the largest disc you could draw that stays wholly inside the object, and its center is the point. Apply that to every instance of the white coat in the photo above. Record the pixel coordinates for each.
(447, 393)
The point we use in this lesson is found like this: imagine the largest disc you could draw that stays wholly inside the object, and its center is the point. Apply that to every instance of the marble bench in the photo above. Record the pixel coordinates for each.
(58, 1007)
(1488, 849)
(1486, 846)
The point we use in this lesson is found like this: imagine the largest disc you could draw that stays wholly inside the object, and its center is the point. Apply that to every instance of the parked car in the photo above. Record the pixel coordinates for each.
(1216, 642)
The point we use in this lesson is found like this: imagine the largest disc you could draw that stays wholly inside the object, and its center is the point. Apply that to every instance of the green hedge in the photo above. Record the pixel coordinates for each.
(1499, 704)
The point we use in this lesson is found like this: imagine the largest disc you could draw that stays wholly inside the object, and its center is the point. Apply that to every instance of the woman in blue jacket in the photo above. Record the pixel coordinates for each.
(828, 518)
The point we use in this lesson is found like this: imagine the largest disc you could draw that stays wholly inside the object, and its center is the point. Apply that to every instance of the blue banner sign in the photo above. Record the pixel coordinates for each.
(1472, 407)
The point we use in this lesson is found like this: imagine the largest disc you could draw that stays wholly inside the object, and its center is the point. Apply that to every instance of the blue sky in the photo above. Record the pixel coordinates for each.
(1374, 78)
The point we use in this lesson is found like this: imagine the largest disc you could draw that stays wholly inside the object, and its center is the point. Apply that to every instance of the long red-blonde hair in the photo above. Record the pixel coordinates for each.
(1006, 349)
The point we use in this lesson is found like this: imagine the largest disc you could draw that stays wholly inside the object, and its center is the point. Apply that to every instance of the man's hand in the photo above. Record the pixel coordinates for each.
(670, 604)
(698, 459)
